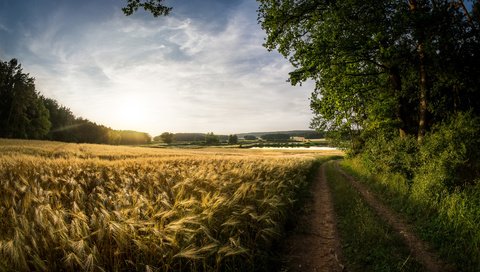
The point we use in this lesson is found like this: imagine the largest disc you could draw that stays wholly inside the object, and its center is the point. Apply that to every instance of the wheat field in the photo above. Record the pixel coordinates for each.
(78, 207)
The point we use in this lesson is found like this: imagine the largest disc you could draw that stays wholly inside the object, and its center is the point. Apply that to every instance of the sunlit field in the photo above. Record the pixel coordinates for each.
(106, 208)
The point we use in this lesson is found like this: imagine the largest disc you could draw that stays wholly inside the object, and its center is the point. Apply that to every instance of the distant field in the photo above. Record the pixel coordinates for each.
(109, 152)
(97, 207)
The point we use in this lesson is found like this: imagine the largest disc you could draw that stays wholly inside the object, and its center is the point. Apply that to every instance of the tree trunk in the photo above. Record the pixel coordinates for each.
(396, 82)
(422, 107)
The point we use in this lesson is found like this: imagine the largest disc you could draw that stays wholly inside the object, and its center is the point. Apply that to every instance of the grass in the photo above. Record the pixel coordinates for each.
(104, 208)
(368, 243)
(450, 223)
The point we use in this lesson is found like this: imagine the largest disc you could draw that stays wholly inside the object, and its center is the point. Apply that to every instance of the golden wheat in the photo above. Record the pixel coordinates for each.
(101, 208)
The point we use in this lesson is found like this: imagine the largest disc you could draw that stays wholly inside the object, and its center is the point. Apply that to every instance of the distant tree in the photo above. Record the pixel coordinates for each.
(211, 139)
(22, 112)
(276, 137)
(250, 137)
(130, 137)
(315, 135)
(62, 119)
(223, 138)
(189, 137)
(85, 131)
(114, 137)
(167, 137)
(232, 139)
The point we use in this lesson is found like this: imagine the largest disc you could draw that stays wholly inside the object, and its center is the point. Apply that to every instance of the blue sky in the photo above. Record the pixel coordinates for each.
(201, 69)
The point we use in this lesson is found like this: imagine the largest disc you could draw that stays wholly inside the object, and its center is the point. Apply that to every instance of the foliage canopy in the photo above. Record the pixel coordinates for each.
(379, 65)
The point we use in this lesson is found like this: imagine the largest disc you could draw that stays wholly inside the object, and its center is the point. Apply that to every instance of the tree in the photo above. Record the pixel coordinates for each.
(22, 112)
(276, 137)
(167, 137)
(130, 137)
(189, 137)
(62, 120)
(250, 137)
(232, 139)
(378, 65)
(211, 139)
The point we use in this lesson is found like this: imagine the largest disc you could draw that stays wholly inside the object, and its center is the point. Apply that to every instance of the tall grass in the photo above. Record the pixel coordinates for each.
(172, 213)
(449, 222)
(436, 183)
(369, 244)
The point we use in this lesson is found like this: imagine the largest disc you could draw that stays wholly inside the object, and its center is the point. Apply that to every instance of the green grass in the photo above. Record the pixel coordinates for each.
(450, 224)
(368, 243)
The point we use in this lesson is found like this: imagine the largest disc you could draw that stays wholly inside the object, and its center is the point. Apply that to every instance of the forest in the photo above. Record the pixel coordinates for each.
(26, 114)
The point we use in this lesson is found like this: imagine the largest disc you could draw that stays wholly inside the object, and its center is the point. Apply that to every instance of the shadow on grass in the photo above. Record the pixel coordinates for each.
(368, 243)
(449, 223)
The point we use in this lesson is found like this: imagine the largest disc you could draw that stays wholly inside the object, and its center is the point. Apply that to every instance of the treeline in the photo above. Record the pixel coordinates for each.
(26, 114)
(196, 138)
(389, 75)
(307, 134)
(211, 139)
(398, 79)
(396, 68)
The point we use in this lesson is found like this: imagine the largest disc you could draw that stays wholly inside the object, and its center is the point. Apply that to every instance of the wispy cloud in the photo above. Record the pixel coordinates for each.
(4, 28)
(179, 73)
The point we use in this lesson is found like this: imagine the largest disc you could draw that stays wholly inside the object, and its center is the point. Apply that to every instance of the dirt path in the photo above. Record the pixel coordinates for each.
(418, 248)
(315, 245)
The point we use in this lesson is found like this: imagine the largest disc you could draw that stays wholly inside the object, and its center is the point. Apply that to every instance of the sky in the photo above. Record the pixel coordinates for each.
(201, 69)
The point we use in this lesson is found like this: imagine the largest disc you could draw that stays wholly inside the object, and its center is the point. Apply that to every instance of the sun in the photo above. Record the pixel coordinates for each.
(131, 111)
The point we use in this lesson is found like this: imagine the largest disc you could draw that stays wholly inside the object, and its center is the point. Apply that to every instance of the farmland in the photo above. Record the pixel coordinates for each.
(95, 207)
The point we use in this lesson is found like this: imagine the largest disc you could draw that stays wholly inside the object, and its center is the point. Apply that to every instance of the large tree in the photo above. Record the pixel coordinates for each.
(22, 113)
(377, 64)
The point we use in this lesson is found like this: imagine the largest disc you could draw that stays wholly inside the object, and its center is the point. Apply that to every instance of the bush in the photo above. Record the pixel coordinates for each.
(436, 183)
(449, 158)
(396, 155)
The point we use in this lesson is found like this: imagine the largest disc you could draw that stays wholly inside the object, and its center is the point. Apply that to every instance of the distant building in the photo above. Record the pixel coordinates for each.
(299, 139)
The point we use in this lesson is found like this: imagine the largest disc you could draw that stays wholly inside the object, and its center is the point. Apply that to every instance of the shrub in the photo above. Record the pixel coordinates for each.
(396, 155)
(449, 158)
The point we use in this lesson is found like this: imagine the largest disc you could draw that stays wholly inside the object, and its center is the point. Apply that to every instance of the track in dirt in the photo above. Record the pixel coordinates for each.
(315, 245)
(418, 248)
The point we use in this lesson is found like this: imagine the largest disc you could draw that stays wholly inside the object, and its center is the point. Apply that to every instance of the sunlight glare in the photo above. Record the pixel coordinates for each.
(131, 111)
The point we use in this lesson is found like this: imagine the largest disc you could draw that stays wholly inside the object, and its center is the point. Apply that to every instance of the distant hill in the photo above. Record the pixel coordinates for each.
(312, 134)
(196, 137)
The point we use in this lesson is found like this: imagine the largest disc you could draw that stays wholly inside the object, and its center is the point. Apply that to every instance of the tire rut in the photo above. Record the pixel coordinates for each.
(315, 245)
(419, 249)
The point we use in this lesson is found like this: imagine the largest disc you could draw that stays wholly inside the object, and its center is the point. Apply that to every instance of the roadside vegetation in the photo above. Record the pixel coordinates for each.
(434, 193)
(397, 83)
(108, 208)
(368, 243)
(435, 184)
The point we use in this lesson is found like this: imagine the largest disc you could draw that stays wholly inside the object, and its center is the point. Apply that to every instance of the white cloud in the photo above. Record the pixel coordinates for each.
(178, 73)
